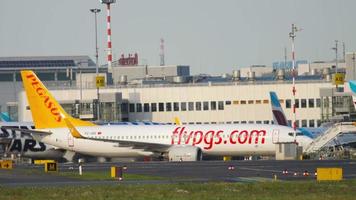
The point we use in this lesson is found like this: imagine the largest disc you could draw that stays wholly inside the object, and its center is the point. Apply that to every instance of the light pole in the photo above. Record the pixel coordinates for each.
(336, 63)
(336, 55)
(353, 62)
(292, 35)
(79, 67)
(96, 11)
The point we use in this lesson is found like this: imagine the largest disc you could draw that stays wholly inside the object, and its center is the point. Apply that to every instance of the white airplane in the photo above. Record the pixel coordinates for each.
(177, 142)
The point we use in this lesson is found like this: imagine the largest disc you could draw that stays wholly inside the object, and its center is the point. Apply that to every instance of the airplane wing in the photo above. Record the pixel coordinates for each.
(146, 146)
(153, 147)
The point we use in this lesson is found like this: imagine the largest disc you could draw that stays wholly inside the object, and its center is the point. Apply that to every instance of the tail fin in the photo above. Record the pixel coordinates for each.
(4, 116)
(278, 115)
(353, 90)
(46, 111)
(177, 121)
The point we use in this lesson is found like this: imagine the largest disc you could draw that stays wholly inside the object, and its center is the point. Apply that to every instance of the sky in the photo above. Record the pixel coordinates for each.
(211, 36)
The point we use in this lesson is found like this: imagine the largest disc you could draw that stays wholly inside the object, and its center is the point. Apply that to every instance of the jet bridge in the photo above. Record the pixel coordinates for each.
(331, 133)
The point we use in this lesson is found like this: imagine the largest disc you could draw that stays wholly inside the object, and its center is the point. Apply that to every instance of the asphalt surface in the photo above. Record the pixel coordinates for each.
(173, 172)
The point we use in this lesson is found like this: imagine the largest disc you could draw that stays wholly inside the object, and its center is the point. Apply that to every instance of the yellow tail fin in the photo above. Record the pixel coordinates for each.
(177, 121)
(46, 111)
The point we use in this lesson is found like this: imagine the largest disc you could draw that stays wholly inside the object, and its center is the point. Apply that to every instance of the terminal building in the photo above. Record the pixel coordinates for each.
(160, 93)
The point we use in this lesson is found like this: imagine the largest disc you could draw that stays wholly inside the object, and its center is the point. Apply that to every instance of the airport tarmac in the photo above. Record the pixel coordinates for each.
(173, 172)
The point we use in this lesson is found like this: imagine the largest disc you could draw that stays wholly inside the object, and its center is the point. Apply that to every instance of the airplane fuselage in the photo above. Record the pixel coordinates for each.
(233, 140)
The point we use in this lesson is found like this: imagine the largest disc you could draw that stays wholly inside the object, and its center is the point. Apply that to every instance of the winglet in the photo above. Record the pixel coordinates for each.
(177, 121)
(75, 133)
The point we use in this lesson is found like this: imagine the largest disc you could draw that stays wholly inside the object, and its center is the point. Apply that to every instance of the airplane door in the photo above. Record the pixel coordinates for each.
(275, 136)
(70, 140)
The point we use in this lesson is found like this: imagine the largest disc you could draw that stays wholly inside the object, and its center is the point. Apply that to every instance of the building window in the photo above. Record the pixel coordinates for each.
(318, 103)
(288, 103)
(168, 106)
(161, 107)
(132, 107)
(258, 101)
(197, 105)
(318, 122)
(228, 102)
(266, 101)
(297, 123)
(221, 105)
(243, 102)
(250, 101)
(191, 106)
(311, 103)
(153, 107)
(266, 122)
(303, 103)
(290, 123)
(124, 107)
(236, 102)
(304, 123)
(213, 105)
(138, 107)
(205, 105)
(311, 123)
(146, 107)
(183, 106)
(176, 106)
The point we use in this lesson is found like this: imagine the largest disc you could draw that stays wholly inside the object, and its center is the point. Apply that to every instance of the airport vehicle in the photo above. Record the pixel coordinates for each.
(175, 142)
(23, 144)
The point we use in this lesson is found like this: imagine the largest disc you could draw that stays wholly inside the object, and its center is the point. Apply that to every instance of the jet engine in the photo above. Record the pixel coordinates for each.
(185, 153)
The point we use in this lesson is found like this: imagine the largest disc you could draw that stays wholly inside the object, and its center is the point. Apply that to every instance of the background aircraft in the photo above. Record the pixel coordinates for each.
(280, 119)
(23, 144)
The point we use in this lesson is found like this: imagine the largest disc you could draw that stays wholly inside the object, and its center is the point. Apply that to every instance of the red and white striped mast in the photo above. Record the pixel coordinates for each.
(108, 22)
(292, 35)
